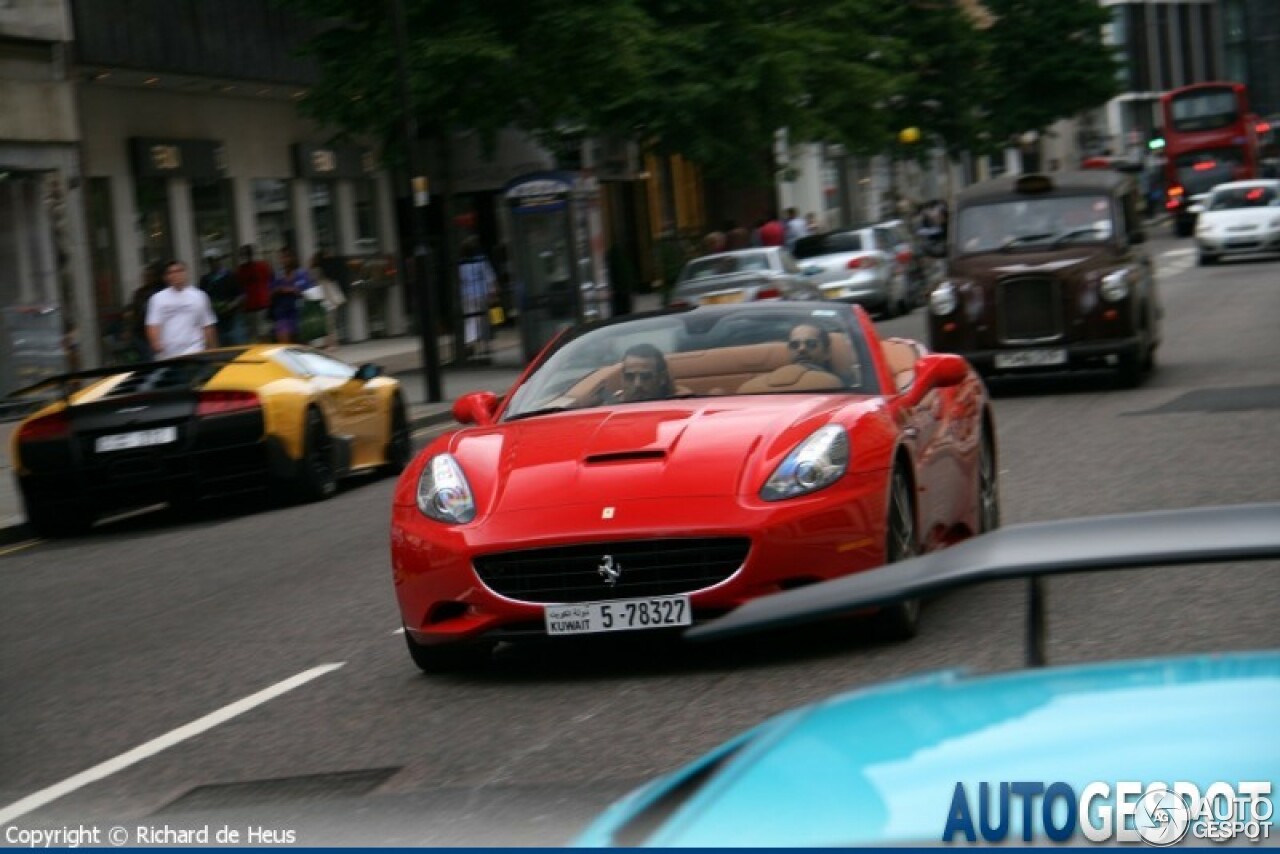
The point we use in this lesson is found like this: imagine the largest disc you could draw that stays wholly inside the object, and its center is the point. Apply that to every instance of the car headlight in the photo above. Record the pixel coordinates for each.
(443, 491)
(816, 463)
(943, 300)
(1115, 285)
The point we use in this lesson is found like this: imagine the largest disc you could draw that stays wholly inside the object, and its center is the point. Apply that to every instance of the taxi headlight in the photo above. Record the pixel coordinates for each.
(1115, 285)
(943, 300)
(443, 491)
(816, 463)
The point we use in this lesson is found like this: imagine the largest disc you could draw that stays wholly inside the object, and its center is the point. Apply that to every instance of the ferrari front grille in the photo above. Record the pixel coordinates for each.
(1030, 309)
(619, 570)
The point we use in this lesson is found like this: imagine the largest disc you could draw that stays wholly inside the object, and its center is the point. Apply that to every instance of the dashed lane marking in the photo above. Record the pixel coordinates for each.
(164, 742)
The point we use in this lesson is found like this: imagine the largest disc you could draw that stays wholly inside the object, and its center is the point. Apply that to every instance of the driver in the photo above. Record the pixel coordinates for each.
(644, 374)
(810, 347)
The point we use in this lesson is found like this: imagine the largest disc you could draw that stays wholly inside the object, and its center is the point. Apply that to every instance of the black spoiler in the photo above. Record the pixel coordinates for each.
(65, 381)
(1245, 532)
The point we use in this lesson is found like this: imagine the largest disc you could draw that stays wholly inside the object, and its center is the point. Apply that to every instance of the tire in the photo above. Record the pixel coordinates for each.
(400, 443)
(1183, 227)
(1129, 373)
(1206, 260)
(988, 488)
(449, 658)
(901, 621)
(315, 479)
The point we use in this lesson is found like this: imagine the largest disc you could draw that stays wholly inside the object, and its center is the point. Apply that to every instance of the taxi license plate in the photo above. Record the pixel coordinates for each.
(1031, 358)
(620, 615)
(136, 439)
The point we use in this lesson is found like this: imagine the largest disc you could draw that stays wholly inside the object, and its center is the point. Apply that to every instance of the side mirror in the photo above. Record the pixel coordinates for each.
(367, 372)
(477, 407)
(936, 370)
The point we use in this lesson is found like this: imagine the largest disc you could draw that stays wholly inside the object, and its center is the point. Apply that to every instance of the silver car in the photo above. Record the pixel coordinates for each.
(745, 275)
(857, 265)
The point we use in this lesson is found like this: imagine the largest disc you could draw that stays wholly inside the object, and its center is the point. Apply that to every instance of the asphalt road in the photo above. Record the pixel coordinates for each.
(144, 629)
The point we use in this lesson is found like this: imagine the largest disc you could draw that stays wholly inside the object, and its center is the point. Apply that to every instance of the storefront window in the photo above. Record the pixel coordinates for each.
(155, 237)
(324, 215)
(110, 298)
(366, 218)
(211, 204)
(273, 216)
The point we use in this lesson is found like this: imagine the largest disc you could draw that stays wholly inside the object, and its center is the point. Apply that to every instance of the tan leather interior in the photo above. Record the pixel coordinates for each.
(901, 356)
(792, 378)
(726, 370)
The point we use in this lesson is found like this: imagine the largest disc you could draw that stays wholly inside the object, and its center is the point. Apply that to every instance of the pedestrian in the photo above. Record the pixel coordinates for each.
(477, 287)
(714, 243)
(796, 228)
(773, 232)
(227, 298)
(286, 297)
(329, 293)
(254, 278)
(152, 283)
(180, 318)
(811, 224)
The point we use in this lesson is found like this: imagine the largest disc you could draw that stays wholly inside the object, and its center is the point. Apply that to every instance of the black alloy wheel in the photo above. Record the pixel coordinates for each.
(316, 477)
(988, 488)
(400, 442)
(900, 621)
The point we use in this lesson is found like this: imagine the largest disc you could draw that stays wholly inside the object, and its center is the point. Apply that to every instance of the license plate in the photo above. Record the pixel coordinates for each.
(1031, 358)
(720, 299)
(136, 439)
(620, 615)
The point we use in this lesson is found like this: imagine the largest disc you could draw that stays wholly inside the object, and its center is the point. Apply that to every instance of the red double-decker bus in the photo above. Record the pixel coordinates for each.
(1210, 137)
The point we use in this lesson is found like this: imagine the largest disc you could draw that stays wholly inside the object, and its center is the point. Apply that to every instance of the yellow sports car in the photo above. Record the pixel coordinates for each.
(222, 422)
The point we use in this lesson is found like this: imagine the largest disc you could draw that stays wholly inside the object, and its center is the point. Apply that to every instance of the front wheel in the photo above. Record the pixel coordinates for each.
(400, 441)
(316, 478)
(448, 658)
(900, 621)
(988, 488)
(1205, 259)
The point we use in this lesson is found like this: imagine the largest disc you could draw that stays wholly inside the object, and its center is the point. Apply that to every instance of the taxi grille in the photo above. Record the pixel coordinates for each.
(645, 568)
(1030, 309)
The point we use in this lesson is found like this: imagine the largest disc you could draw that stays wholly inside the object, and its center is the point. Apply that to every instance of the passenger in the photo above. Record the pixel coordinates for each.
(645, 375)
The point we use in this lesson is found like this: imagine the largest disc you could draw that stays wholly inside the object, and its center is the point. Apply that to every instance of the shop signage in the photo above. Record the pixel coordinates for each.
(200, 159)
(333, 161)
(539, 193)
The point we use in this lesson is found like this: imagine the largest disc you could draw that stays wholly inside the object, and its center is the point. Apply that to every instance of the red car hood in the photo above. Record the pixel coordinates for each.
(703, 447)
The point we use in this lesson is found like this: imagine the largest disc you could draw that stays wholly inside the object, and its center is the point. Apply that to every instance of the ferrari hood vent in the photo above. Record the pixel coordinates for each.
(627, 456)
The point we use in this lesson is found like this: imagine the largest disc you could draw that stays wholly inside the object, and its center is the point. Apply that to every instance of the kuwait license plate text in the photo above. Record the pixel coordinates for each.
(136, 439)
(620, 615)
(1031, 358)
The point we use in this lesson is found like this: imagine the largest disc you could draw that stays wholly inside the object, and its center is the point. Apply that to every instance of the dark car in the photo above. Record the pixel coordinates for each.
(1046, 273)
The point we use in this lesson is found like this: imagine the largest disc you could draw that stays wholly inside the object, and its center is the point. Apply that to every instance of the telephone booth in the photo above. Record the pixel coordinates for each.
(558, 254)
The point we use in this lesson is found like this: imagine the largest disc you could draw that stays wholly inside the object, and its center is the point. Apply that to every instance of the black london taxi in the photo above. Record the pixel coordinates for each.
(1047, 273)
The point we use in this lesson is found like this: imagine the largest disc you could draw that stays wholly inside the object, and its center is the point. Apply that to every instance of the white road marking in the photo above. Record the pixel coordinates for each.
(156, 745)
(1175, 253)
(399, 631)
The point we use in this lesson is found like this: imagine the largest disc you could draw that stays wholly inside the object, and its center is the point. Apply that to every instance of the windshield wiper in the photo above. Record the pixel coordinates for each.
(1075, 232)
(1025, 238)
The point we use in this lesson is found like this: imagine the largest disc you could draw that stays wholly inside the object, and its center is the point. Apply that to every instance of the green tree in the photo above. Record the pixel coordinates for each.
(1050, 62)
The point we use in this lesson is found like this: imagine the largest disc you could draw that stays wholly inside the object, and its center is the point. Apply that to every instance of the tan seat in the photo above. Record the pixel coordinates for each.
(792, 378)
(901, 356)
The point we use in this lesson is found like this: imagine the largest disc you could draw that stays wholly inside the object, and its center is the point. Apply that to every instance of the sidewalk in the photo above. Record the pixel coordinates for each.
(400, 357)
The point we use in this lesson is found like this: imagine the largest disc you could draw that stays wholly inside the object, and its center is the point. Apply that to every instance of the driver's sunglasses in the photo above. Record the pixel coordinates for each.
(637, 376)
(806, 343)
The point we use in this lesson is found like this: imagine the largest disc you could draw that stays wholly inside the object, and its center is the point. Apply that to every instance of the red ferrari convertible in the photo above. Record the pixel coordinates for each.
(652, 471)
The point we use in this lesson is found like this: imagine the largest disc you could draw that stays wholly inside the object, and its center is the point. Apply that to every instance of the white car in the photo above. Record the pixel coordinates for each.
(1238, 218)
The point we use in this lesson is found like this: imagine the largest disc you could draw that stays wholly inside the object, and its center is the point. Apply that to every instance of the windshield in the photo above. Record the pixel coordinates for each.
(1035, 222)
(723, 265)
(1205, 110)
(699, 354)
(1243, 197)
(830, 244)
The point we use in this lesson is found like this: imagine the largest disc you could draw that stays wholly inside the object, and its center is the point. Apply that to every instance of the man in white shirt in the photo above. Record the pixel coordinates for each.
(180, 318)
(796, 227)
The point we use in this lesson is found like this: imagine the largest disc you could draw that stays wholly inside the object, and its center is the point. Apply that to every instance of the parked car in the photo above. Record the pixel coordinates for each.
(744, 275)
(858, 265)
(215, 423)
(1239, 218)
(653, 471)
(911, 762)
(1048, 273)
(909, 256)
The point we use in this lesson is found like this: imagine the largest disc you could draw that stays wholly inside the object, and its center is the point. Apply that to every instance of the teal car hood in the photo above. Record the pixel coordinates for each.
(880, 765)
